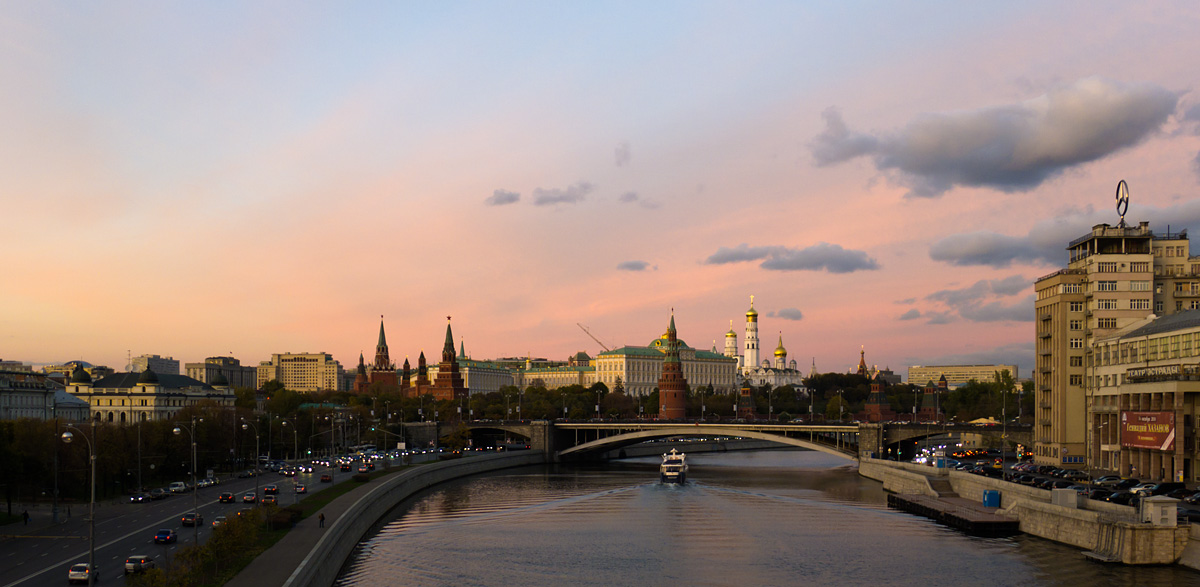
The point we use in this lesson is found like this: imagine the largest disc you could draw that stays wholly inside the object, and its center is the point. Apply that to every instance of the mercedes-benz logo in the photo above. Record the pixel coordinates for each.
(1122, 198)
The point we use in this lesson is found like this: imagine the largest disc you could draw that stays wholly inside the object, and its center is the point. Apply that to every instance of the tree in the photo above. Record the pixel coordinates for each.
(836, 407)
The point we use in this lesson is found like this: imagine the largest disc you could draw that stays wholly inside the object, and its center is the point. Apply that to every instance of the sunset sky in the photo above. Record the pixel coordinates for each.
(248, 178)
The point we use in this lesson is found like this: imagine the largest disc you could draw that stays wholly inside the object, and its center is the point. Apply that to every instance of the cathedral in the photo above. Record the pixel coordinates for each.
(775, 373)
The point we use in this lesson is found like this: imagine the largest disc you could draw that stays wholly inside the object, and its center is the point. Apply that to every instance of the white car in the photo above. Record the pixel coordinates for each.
(178, 487)
(79, 573)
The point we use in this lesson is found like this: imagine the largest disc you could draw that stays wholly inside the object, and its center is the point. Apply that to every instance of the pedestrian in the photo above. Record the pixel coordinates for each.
(25, 516)
(321, 520)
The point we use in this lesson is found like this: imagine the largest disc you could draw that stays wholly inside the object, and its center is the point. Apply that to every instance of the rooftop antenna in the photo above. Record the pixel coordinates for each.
(1123, 202)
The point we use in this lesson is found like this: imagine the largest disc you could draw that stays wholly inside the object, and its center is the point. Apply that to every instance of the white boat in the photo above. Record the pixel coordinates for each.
(674, 467)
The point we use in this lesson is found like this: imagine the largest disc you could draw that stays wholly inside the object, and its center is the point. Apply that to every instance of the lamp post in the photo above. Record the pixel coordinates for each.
(295, 440)
(246, 426)
(67, 437)
(195, 507)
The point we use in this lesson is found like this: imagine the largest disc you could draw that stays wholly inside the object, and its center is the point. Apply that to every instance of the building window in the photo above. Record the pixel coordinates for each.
(1076, 324)
(1140, 267)
(1106, 323)
(1076, 343)
(1106, 286)
(1072, 288)
(1139, 286)
(1106, 304)
(1076, 361)
(1107, 267)
(1076, 380)
(1158, 306)
(1142, 304)
(1076, 306)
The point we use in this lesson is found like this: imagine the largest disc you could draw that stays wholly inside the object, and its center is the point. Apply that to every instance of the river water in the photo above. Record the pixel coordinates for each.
(743, 518)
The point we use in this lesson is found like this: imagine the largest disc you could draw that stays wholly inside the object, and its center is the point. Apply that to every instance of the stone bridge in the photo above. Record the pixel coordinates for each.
(566, 440)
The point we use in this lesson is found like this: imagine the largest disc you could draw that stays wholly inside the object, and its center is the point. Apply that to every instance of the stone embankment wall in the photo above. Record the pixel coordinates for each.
(894, 478)
(1110, 529)
(321, 566)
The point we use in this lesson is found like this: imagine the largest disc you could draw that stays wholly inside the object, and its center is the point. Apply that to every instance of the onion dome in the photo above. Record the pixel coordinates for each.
(78, 375)
(148, 377)
(752, 314)
(220, 380)
(731, 333)
(779, 350)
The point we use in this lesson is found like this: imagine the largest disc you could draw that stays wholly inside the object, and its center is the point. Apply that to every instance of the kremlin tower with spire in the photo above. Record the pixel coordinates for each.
(672, 386)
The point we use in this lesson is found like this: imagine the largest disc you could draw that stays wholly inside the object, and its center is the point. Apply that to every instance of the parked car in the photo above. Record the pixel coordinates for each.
(1122, 498)
(1107, 480)
(1180, 493)
(1193, 499)
(1187, 514)
(78, 573)
(226, 497)
(1166, 487)
(179, 487)
(1126, 483)
(138, 563)
(165, 536)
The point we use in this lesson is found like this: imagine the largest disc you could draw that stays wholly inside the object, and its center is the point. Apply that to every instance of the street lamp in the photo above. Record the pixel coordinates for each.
(295, 440)
(67, 437)
(195, 507)
(246, 426)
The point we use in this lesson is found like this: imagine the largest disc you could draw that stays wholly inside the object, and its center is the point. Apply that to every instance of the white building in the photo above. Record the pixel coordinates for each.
(160, 365)
(302, 372)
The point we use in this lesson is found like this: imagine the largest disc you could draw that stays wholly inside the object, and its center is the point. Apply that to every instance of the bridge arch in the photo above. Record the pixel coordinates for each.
(629, 438)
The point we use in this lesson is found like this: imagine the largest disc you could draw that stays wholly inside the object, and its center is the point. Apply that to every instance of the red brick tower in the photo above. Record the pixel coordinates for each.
(383, 371)
(672, 387)
(449, 383)
(360, 378)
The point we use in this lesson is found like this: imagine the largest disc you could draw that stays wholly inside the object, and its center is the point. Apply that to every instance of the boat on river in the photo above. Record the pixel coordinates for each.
(673, 468)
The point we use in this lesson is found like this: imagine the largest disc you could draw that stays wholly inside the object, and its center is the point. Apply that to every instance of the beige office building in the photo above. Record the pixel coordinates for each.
(302, 371)
(957, 375)
(1144, 400)
(1115, 277)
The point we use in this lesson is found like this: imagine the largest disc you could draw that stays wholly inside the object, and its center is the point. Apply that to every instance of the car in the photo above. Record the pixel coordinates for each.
(300, 488)
(1179, 493)
(165, 536)
(269, 500)
(138, 563)
(344, 467)
(192, 519)
(1099, 493)
(1143, 489)
(1106, 480)
(157, 493)
(201, 484)
(1187, 514)
(364, 469)
(78, 573)
(1193, 499)
(326, 478)
(226, 497)
(245, 474)
(270, 489)
(249, 497)
(1075, 475)
(219, 520)
(179, 487)
(139, 497)
(1122, 498)
(1125, 483)
(1166, 487)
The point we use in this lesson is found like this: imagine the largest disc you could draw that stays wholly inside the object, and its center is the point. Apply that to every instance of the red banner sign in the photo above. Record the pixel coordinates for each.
(1154, 430)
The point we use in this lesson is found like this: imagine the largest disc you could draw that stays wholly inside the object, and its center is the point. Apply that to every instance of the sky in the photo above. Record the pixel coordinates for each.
(249, 178)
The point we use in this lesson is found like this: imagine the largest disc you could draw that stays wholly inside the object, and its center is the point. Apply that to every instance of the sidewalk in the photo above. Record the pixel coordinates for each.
(273, 567)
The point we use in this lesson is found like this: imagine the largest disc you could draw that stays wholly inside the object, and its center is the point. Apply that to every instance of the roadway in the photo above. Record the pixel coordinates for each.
(42, 552)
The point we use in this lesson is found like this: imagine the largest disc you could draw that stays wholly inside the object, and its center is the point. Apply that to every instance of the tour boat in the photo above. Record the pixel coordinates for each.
(674, 467)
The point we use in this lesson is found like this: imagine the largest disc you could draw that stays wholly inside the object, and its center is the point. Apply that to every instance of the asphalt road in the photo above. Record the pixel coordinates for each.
(42, 552)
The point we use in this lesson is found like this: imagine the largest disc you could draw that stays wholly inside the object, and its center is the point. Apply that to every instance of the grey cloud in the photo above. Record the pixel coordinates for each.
(501, 197)
(1192, 114)
(570, 195)
(912, 314)
(634, 198)
(905, 301)
(622, 154)
(788, 314)
(830, 257)
(977, 302)
(939, 317)
(1011, 148)
(1046, 242)
(633, 266)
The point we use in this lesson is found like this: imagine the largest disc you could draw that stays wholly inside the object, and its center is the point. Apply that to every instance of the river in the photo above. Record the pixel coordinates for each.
(744, 518)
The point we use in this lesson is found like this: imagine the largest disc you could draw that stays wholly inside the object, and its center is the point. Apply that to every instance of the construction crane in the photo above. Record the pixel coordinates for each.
(587, 332)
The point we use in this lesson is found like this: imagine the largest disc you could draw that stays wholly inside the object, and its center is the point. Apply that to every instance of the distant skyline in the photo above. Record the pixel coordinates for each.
(240, 179)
